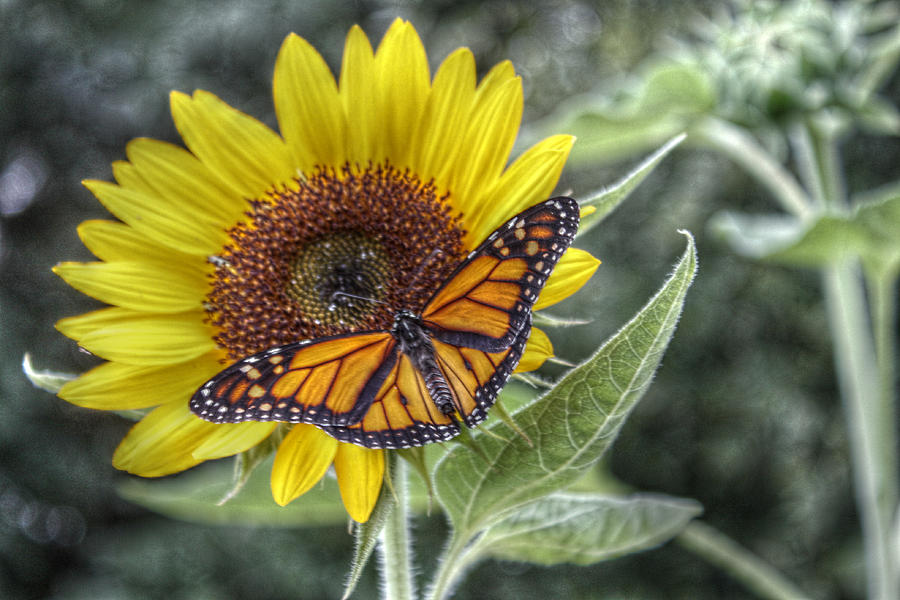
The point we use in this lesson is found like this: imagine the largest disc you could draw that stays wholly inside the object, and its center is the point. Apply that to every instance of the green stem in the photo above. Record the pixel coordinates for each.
(858, 380)
(807, 162)
(738, 145)
(882, 294)
(396, 555)
(818, 158)
(870, 424)
(720, 550)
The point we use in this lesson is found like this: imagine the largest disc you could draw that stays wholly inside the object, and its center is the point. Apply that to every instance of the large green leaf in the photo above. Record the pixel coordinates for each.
(586, 528)
(570, 427)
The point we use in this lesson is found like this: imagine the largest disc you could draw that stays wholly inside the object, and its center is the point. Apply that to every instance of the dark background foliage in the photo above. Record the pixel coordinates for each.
(744, 415)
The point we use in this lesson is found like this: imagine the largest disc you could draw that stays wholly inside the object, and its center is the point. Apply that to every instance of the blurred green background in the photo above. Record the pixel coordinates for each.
(744, 415)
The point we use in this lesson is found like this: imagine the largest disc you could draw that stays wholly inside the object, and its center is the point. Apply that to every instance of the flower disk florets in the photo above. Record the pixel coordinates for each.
(339, 252)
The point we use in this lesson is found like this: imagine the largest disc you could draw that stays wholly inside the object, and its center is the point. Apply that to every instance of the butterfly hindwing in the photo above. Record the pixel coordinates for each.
(476, 377)
(402, 414)
(487, 299)
(327, 381)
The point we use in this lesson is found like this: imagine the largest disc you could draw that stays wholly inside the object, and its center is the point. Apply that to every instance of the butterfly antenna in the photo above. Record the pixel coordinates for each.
(434, 254)
(335, 295)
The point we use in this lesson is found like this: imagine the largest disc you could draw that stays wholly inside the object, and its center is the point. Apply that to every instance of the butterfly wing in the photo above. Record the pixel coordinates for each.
(326, 381)
(488, 298)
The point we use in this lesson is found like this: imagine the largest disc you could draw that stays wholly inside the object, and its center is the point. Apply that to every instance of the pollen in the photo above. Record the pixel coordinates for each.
(338, 251)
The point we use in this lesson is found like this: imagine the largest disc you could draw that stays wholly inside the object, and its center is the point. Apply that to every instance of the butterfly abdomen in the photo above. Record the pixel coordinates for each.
(416, 344)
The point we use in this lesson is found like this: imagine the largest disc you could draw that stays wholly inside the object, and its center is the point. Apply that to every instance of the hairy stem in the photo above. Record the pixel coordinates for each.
(454, 561)
(395, 551)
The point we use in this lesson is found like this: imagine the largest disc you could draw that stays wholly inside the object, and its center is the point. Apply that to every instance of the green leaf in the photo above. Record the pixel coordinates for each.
(870, 232)
(246, 462)
(587, 528)
(195, 496)
(608, 199)
(756, 236)
(668, 96)
(366, 534)
(50, 381)
(603, 139)
(571, 426)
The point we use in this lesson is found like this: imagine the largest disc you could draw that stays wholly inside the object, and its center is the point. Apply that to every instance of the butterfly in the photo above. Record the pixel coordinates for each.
(412, 384)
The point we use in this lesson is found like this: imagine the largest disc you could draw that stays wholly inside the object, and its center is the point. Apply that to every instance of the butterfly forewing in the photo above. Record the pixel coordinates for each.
(329, 381)
(486, 301)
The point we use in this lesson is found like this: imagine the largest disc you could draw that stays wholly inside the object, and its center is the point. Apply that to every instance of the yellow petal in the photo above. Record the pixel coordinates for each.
(116, 386)
(307, 105)
(537, 350)
(302, 459)
(111, 241)
(138, 286)
(241, 151)
(488, 138)
(360, 473)
(402, 87)
(529, 180)
(135, 338)
(231, 438)
(163, 442)
(157, 219)
(357, 91)
(177, 175)
(446, 114)
(572, 271)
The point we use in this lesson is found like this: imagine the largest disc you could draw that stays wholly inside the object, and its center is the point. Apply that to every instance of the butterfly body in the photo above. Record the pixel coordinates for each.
(434, 369)
(416, 344)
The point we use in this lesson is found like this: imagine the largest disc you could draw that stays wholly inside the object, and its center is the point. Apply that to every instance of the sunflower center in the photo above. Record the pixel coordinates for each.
(341, 251)
(339, 278)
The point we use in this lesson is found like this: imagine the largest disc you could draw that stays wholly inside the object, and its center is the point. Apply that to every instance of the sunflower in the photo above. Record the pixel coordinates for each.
(378, 185)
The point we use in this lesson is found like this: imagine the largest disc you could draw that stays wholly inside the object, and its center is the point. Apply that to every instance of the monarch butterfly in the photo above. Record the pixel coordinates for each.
(410, 385)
